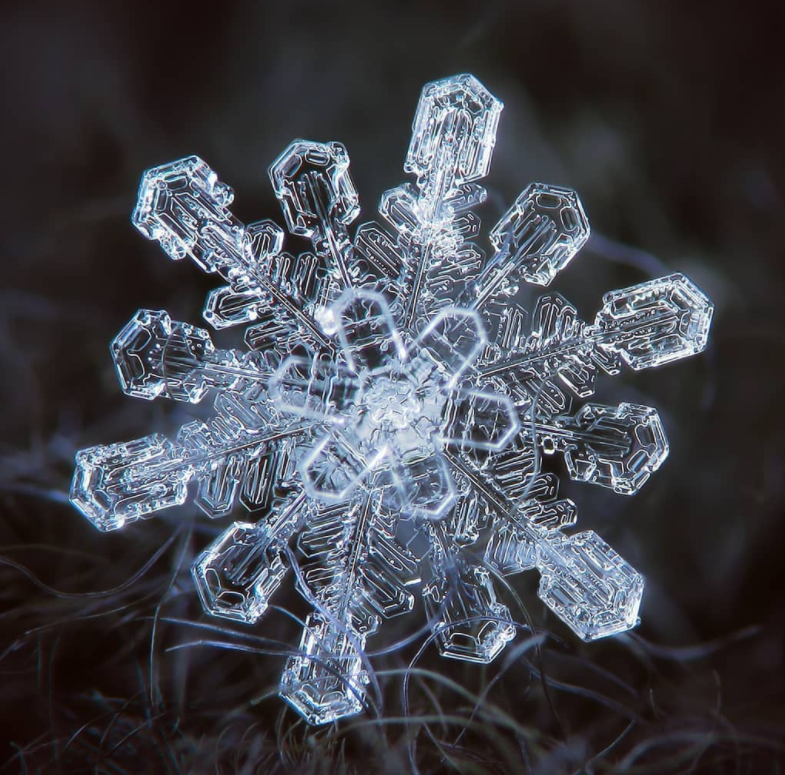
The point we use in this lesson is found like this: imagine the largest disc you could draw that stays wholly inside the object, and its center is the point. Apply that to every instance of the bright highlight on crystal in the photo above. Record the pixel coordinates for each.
(394, 403)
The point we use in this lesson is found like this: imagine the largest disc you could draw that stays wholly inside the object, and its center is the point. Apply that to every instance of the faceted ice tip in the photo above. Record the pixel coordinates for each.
(470, 623)
(655, 322)
(453, 133)
(312, 182)
(541, 233)
(325, 682)
(589, 586)
(237, 575)
(156, 356)
(616, 447)
(120, 483)
(172, 199)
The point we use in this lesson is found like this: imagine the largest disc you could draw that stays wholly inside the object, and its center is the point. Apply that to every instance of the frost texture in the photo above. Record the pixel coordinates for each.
(394, 403)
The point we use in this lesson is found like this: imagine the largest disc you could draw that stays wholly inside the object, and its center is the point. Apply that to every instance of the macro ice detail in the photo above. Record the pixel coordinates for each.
(394, 421)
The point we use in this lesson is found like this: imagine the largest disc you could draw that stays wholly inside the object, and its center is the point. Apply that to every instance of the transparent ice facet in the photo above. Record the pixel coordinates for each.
(155, 356)
(367, 332)
(325, 682)
(453, 133)
(469, 622)
(312, 182)
(541, 233)
(655, 322)
(481, 420)
(333, 470)
(589, 587)
(385, 415)
(512, 547)
(237, 575)
(317, 389)
(318, 199)
(424, 484)
(184, 207)
(119, 483)
(454, 339)
(226, 307)
(614, 446)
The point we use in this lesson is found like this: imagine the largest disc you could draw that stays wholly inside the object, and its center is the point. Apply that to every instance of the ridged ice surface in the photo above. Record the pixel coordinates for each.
(386, 424)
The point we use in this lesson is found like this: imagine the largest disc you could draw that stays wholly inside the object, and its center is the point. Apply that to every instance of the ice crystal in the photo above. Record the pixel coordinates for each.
(393, 404)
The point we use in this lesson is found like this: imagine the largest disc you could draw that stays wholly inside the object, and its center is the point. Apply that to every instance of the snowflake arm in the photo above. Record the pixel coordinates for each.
(453, 136)
(184, 208)
(319, 201)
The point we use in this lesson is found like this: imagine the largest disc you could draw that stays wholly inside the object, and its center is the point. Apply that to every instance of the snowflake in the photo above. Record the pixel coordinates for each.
(391, 412)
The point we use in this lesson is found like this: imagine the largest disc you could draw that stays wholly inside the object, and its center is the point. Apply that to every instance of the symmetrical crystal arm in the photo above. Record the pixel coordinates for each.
(453, 136)
(653, 323)
(156, 356)
(644, 326)
(465, 614)
(616, 447)
(238, 573)
(582, 580)
(326, 680)
(535, 239)
(316, 192)
(185, 208)
(117, 484)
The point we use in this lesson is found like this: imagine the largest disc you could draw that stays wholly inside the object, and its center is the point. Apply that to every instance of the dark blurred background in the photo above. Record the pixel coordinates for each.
(666, 116)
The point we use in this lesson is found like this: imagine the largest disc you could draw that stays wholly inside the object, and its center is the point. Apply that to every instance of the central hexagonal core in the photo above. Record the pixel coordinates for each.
(391, 403)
